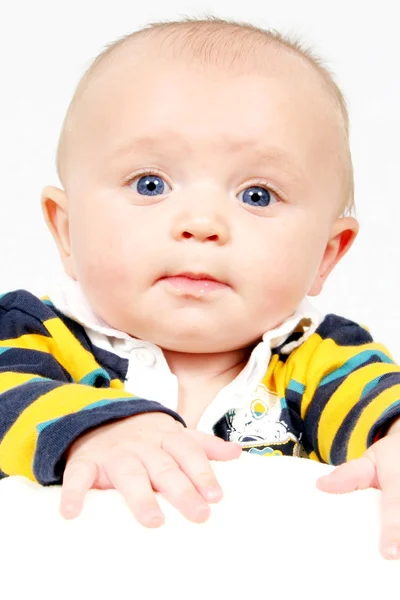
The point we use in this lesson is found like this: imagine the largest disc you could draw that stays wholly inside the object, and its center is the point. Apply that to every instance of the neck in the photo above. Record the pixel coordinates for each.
(211, 367)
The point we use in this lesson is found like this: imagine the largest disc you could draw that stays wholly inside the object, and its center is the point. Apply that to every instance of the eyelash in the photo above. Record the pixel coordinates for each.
(259, 183)
(142, 174)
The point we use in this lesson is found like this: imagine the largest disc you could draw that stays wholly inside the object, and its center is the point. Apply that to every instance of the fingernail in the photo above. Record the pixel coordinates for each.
(68, 510)
(213, 494)
(153, 518)
(202, 510)
(393, 550)
(235, 445)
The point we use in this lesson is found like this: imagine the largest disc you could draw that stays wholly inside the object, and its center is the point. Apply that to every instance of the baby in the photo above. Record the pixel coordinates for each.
(207, 188)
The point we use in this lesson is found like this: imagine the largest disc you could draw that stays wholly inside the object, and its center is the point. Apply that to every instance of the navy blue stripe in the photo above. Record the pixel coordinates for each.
(343, 332)
(293, 400)
(13, 402)
(341, 440)
(22, 360)
(115, 366)
(321, 397)
(23, 313)
(382, 425)
(55, 439)
(15, 323)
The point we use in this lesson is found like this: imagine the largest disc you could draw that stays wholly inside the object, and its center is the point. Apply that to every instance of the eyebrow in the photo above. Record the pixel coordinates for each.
(270, 154)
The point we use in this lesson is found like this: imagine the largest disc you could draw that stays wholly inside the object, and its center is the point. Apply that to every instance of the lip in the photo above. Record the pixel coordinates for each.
(197, 276)
(194, 284)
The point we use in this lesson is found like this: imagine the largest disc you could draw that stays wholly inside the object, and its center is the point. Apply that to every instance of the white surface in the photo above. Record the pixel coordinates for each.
(274, 535)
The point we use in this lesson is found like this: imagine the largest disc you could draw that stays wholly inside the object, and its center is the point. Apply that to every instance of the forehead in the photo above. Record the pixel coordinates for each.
(141, 79)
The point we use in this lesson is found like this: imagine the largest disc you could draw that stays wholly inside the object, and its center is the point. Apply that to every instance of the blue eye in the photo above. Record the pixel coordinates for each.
(150, 185)
(257, 196)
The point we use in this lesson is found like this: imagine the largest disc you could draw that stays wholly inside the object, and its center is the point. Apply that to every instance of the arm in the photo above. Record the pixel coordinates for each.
(45, 402)
(351, 390)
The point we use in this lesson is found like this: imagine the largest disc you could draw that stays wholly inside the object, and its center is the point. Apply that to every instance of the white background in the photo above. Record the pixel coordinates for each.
(45, 47)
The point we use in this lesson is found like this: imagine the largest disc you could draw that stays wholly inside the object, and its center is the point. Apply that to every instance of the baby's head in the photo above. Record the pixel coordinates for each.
(209, 150)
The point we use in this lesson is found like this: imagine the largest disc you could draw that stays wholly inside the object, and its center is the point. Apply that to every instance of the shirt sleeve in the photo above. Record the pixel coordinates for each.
(43, 408)
(351, 390)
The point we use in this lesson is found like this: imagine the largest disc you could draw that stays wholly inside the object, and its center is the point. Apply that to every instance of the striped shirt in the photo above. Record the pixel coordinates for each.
(329, 398)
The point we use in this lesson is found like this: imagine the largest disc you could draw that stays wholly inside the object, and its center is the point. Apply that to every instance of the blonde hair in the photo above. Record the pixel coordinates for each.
(215, 41)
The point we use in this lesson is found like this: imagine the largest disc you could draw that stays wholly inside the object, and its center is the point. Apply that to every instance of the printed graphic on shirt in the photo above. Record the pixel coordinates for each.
(260, 428)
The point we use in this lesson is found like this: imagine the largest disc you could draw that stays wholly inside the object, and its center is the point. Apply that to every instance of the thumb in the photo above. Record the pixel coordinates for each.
(357, 474)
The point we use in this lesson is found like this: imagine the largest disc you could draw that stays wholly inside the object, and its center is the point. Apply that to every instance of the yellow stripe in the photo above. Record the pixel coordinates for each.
(117, 384)
(342, 401)
(63, 346)
(31, 341)
(10, 380)
(18, 446)
(313, 456)
(74, 357)
(370, 415)
(328, 358)
(40, 343)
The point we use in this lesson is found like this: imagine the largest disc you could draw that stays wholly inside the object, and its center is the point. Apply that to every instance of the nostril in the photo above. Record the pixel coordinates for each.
(212, 238)
(186, 234)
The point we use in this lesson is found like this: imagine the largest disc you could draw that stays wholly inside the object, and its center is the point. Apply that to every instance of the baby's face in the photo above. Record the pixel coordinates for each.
(200, 202)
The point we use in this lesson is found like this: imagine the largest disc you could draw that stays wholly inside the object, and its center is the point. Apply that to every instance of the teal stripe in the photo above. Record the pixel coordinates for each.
(37, 379)
(34, 380)
(295, 386)
(47, 302)
(283, 402)
(90, 378)
(370, 386)
(353, 363)
(41, 426)
(4, 349)
(389, 408)
(102, 403)
(97, 404)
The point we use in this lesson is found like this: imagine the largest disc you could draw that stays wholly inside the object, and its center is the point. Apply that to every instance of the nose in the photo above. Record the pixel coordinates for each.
(203, 222)
(202, 230)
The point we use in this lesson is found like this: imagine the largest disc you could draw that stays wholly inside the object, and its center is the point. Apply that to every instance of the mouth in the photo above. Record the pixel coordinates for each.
(194, 284)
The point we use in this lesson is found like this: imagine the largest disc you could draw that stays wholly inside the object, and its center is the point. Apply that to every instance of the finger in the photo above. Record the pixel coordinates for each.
(192, 460)
(357, 474)
(79, 476)
(390, 535)
(129, 476)
(167, 478)
(388, 471)
(214, 447)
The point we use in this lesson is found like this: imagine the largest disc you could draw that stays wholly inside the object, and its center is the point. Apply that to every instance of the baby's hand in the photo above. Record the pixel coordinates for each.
(142, 454)
(378, 468)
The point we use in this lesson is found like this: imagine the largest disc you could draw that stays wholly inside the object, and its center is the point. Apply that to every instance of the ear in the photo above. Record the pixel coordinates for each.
(343, 234)
(55, 210)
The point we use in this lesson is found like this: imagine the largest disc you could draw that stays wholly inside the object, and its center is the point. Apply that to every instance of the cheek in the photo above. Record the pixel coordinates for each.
(107, 246)
(284, 259)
